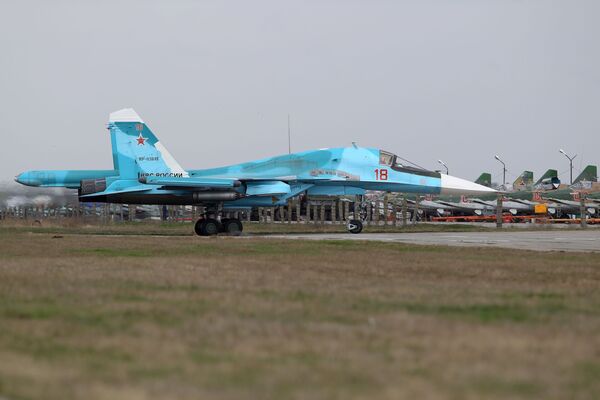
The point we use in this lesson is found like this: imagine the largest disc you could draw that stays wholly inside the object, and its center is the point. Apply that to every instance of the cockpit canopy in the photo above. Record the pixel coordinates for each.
(389, 159)
(393, 161)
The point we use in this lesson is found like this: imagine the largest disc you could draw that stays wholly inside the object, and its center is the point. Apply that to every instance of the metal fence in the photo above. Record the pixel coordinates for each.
(381, 211)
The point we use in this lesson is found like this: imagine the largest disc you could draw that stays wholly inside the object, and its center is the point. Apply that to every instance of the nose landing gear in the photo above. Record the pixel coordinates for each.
(354, 226)
(360, 211)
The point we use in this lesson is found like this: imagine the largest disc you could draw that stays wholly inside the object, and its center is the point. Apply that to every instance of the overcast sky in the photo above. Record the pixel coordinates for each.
(457, 80)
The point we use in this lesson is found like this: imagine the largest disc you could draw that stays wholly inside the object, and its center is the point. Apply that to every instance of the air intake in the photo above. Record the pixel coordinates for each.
(89, 186)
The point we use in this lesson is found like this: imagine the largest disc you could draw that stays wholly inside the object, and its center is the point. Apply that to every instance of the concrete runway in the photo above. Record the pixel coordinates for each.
(585, 240)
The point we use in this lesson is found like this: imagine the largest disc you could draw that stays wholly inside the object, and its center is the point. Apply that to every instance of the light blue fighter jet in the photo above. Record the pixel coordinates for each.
(146, 173)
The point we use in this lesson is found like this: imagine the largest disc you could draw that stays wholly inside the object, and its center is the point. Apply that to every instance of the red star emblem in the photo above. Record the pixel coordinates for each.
(141, 140)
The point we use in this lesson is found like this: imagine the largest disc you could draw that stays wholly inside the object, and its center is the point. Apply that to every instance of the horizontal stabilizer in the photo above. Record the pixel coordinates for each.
(191, 182)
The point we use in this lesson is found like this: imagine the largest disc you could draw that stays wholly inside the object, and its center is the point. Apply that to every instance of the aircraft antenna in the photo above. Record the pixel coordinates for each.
(289, 136)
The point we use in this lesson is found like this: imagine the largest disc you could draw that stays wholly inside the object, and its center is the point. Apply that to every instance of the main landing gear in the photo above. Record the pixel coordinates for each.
(212, 227)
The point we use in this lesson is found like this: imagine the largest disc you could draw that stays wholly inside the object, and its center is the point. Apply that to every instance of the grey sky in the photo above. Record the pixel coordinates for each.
(215, 80)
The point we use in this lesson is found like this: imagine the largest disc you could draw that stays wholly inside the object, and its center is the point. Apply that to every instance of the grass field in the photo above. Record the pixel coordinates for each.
(76, 226)
(147, 317)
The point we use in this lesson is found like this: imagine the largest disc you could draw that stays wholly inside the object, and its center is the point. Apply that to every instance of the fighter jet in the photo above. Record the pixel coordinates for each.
(511, 206)
(146, 173)
(469, 207)
(571, 207)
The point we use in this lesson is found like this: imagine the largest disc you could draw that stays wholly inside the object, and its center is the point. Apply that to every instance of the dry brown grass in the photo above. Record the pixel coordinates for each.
(145, 317)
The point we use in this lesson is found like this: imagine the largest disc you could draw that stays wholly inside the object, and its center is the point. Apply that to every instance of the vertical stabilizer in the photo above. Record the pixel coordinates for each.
(484, 179)
(589, 174)
(524, 180)
(551, 173)
(137, 152)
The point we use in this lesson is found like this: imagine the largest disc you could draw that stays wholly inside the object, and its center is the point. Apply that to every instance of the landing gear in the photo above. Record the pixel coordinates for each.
(232, 226)
(212, 227)
(360, 211)
(354, 226)
(199, 227)
(207, 227)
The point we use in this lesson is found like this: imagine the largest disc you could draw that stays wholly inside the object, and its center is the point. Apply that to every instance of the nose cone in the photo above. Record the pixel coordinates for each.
(27, 179)
(21, 178)
(454, 185)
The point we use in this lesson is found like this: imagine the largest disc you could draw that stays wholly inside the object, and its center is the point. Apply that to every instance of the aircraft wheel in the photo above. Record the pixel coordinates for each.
(354, 226)
(233, 227)
(199, 227)
(222, 225)
(211, 227)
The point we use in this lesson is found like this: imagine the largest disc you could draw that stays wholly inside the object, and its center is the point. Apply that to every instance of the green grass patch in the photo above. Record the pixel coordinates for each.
(486, 313)
(488, 385)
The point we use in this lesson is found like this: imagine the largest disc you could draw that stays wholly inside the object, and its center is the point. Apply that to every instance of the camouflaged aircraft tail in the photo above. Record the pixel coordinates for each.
(524, 180)
(137, 152)
(484, 179)
(589, 174)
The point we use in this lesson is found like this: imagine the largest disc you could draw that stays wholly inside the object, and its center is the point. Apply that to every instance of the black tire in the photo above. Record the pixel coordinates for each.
(233, 227)
(222, 225)
(354, 226)
(210, 227)
(199, 227)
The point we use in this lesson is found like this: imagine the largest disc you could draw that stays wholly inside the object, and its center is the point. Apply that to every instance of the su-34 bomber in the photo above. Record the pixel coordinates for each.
(145, 173)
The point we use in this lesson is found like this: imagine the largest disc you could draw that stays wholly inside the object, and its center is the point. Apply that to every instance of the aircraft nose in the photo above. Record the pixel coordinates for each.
(459, 186)
(20, 178)
(27, 178)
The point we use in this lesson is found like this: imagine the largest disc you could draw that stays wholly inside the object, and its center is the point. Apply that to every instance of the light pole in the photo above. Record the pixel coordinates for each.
(570, 162)
(444, 164)
(503, 172)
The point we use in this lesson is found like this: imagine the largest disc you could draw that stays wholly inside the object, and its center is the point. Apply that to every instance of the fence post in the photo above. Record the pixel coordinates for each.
(416, 213)
(499, 211)
(404, 210)
(386, 212)
(298, 209)
(333, 211)
(346, 210)
(582, 211)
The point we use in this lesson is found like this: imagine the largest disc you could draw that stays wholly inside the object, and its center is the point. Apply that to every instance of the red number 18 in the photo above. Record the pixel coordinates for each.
(381, 174)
